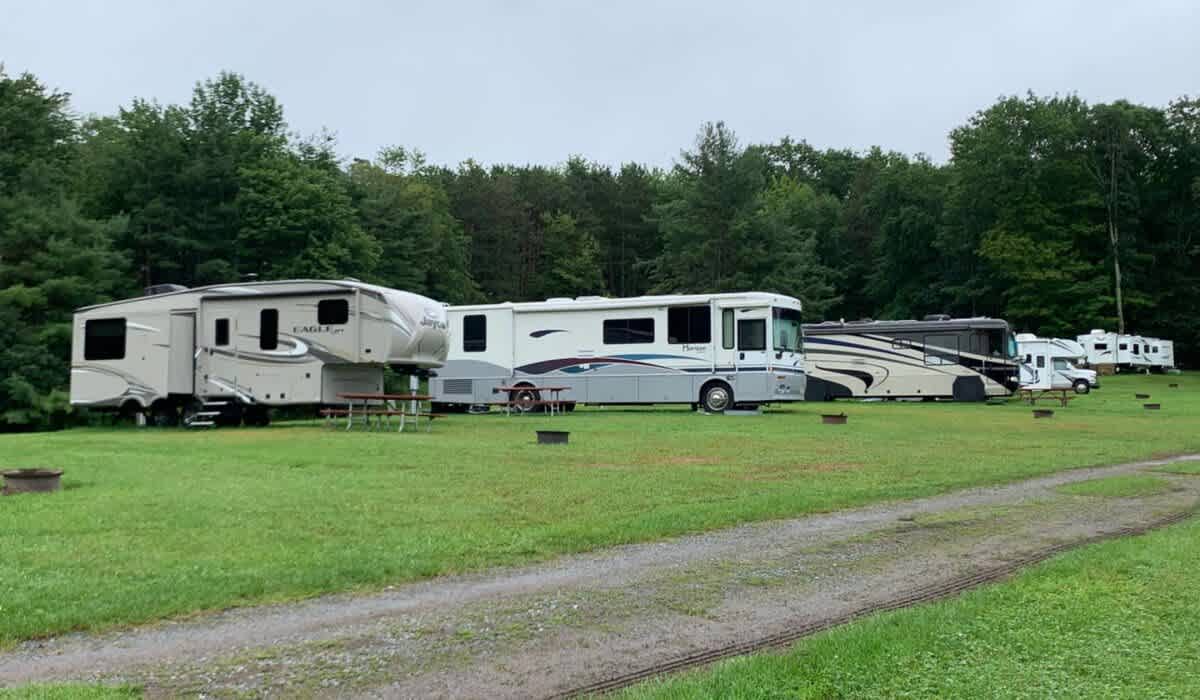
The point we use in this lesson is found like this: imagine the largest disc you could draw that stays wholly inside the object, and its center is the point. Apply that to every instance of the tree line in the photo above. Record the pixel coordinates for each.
(1056, 214)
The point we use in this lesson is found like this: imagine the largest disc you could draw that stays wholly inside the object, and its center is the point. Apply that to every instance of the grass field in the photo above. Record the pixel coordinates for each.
(69, 691)
(157, 523)
(1114, 620)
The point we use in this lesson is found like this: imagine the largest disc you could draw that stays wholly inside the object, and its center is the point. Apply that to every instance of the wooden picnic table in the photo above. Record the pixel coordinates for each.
(553, 403)
(387, 401)
(1035, 395)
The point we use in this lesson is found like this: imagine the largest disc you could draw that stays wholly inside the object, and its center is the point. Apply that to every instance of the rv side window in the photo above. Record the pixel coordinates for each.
(628, 331)
(104, 339)
(1041, 361)
(268, 329)
(1100, 346)
(1123, 346)
(727, 329)
(333, 312)
(1061, 365)
(474, 333)
(221, 331)
(1155, 349)
(1135, 349)
(752, 334)
(941, 349)
(689, 324)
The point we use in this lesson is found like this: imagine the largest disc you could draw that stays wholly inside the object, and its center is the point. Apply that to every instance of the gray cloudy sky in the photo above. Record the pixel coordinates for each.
(537, 81)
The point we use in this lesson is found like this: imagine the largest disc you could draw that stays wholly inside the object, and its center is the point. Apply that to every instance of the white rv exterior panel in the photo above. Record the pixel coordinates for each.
(564, 342)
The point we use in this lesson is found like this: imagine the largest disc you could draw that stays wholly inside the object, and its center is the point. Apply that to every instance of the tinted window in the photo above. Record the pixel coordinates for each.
(1041, 361)
(689, 324)
(727, 329)
(941, 350)
(474, 333)
(1155, 349)
(268, 329)
(628, 331)
(1060, 364)
(1123, 346)
(752, 334)
(1101, 346)
(1135, 350)
(104, 339)
(333, 312)
(221, 332)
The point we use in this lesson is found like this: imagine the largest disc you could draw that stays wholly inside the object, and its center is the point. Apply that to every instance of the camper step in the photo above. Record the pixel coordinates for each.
(209, 404)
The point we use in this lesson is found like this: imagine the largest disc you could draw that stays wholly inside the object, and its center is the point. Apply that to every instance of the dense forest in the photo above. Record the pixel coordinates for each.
(1056, 214)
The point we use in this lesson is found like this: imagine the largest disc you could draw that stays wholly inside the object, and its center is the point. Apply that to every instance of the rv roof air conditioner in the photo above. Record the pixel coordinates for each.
(154, 289)
(936, 317)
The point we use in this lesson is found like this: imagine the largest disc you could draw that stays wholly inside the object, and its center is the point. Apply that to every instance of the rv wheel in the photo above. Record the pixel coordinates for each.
(1082, 386)
(258, 416)
(716, 397)
(524, 401)
(164, 415)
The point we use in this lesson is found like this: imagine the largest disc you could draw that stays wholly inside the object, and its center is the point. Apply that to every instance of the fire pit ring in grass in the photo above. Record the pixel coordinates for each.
(32, 481)
(552, 437)
(1141, 396)
(833, 418)
(1042, 412)
(1151, 406)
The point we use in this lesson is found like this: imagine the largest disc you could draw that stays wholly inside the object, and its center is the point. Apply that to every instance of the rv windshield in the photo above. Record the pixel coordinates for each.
(789, 335)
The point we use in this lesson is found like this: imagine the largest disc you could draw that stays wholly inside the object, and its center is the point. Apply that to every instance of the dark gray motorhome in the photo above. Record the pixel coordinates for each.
(964, 359)
(229, 351)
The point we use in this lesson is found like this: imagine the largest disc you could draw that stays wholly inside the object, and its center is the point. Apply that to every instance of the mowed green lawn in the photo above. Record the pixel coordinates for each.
(1114, 620)
(155, 523)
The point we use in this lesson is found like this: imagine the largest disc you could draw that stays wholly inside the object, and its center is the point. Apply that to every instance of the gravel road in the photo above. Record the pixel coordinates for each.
(539, 630)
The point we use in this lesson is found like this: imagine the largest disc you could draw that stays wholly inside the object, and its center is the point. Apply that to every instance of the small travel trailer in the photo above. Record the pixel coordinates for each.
(227, 352)
(1102, 348)
(714, 350)
(1049, 363)
(964, 359)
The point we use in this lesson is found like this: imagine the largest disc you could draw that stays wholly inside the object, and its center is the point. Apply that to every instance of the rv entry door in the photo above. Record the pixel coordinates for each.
(753, 339)
(217, 349)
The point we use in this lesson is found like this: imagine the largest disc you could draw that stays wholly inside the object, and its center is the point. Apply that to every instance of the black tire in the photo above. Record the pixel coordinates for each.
(164, 415)
(716, 397)
(257, 416)
(1082, 387)
(524, 401)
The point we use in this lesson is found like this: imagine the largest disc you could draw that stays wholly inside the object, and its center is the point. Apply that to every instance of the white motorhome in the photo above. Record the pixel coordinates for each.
(1120, 351)
(230, 351)
(960, 359)
(1162, 354)
(1049, 363)
(713, 350)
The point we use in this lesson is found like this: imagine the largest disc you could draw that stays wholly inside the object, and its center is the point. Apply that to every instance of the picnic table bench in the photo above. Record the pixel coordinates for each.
(524, 398)
(1034, 395)
(380, 408)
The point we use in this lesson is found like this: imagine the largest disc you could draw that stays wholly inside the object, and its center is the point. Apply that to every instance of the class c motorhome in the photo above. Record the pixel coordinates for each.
(714, 350)
(246, 347)
(1049, 363)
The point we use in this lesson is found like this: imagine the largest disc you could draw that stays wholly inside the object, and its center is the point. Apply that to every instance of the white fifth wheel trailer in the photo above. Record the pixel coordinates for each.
(714, 350)
(963, 359)
(1049, 363)
(1119, 351)
(246, 347)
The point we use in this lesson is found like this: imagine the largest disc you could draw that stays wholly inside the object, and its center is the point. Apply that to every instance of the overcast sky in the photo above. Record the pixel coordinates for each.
(611, 80)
